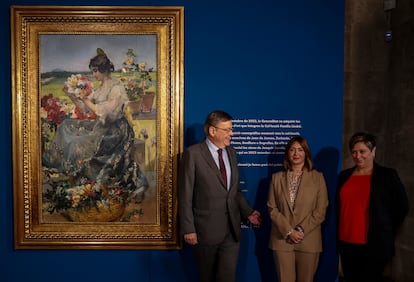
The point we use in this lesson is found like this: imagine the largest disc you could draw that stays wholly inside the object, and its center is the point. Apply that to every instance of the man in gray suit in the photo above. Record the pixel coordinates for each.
(210, 201)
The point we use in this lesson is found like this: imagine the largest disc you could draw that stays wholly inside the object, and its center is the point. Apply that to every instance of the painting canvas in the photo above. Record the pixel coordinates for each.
(71, 194)
(97, 100)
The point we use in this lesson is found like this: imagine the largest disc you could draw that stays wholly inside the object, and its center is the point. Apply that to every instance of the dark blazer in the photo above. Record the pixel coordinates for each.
(388, 206)
(205, 205)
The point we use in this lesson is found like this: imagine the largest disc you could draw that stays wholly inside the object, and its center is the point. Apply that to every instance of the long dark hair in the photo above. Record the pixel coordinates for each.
(308, 156)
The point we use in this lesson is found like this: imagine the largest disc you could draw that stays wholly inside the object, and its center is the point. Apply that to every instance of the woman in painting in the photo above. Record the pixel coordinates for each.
(94, 145)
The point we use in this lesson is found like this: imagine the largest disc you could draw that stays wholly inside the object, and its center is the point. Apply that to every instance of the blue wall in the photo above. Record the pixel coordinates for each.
(254, 59)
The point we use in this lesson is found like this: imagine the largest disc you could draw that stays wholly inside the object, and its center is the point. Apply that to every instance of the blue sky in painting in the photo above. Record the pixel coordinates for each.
(72, 52)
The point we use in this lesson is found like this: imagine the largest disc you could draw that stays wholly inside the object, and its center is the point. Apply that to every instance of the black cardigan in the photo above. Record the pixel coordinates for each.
(388, 206)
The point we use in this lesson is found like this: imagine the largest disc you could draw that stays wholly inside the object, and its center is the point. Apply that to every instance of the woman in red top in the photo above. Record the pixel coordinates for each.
(371, 205)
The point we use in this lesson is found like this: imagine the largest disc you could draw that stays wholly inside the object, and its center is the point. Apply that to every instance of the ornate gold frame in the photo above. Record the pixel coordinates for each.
(27, 24)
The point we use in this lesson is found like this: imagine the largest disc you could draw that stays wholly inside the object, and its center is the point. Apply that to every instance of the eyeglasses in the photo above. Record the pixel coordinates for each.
(94, 69)
(227, 130)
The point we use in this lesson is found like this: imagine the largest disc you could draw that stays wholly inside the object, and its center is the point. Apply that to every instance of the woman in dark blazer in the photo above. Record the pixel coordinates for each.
(371, 204)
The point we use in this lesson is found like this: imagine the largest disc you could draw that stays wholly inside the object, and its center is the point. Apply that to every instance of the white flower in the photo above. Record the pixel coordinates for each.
(79, 85)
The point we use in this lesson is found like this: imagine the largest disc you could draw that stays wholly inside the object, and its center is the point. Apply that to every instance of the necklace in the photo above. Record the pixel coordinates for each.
(294, 179)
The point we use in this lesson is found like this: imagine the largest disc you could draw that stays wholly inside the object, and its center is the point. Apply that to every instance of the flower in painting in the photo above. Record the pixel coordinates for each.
(78, 114)
(142, 66)
(153, 141)
(53, 109)
(131, 88)
(83, 194)
(144, 133)
(137, 78)
(144, 76)
(129, 61)
(86, 194)
(79, 85)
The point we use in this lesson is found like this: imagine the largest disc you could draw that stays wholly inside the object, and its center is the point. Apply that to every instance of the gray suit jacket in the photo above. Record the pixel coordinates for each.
(310, 209)
(205, 205)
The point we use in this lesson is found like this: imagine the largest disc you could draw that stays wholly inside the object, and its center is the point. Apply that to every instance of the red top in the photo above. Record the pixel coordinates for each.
(353, 212)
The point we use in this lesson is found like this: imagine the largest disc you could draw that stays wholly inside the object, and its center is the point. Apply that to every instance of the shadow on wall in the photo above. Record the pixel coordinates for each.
(327, 161)
(194, 134)
(262, 251)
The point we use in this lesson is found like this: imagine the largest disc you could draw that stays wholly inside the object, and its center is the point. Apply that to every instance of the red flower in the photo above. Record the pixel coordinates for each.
(79, 115)
(55, 114)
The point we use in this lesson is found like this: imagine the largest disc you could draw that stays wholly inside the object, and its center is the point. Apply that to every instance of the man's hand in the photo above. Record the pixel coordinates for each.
(191, 238)
(255, 218)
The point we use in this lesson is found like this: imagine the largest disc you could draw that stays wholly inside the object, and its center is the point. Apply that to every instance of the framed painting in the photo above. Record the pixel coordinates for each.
(97, 126)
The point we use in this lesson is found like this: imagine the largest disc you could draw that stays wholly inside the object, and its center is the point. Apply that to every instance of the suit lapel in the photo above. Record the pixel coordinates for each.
(205, 152)
(285, 188)
(301, 192)
(233, 168)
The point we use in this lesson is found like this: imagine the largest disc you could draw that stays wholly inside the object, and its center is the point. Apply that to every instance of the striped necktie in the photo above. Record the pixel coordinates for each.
(222, 166)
